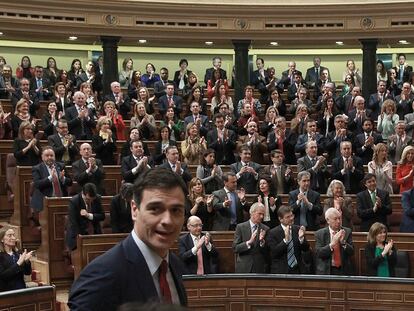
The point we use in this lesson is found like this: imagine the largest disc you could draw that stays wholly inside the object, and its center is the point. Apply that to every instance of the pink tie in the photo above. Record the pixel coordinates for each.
(200, 266)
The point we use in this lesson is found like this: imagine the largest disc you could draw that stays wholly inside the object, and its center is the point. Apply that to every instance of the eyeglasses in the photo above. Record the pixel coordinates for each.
(197, 226)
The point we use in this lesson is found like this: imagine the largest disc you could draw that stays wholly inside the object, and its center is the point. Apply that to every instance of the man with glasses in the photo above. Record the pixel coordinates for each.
(196, 249)
(63, 144)
(24, 92)
(8, 84)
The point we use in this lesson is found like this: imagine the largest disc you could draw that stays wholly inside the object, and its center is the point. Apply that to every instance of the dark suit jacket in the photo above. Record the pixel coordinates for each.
(159, 87)
(45, 93)
(209, 74)
(355, 177)
(55, 142)
(79, 224)
(224, 150)
(4, 93)
(407, 202)
(75, 124)
(300, 146)
(253, 259)
(332, 145)
(288, 145)
(210, 264)
(222, 216)
(127, 164)
(311, 78)
(186, 175)
(278, 249)
(324, 254)
(111, 280)
(163, 104)
(406, 74)
(319, 179)
(204, 123)
(375, 103)
(34, 104)
(159, 156)
(287, 182)
(366, 153)
(311, 215)
(30, 158)
(257, 149)
(177, 79)
(81, 177)
(372, 262)
(246, 180)
(104, 151)
(123, 108)
(121, 220)
(365, 209)
(11, 275)
(356, 125)
(43, 186)
(274, 219)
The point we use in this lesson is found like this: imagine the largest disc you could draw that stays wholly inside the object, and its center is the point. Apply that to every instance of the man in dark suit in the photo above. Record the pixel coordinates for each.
(305, 203)
(397, 142)
(159, 86)
(24, 92)
(136, 163)
(196, 249)
(197, 118)
(404, 102)
(49, 179)
(376, 100)
(280, 173)
(63, 144)
(347, 104)
(287, 75)
(373, 205)
(284, 140)
(297, 84)
(286, 243)
(403, 70)
(316, 166)
(140, 268)
(247, 172)
(229, 205)
(365, 142)
(8, 84)
(407, 220)
(313, 73)
(348, 169)
(260, 80)
(85, 215)
(254, 141)
(333, 139)
(173, 163)
(88, 169)
(310, 135)
(334, 247)
(249, 243)
(324, 87)
(122, 103)
(222, 141)
(121, 220)
(216, 65)
(170, 100)
(80, 119)
(358, 115)
(40, 85)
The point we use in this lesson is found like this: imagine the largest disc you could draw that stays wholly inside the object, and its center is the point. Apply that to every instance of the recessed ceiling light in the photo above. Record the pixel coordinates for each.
(209, 42)
(403, 42)
(339, 43)
(274, 43)
(73, 38)
(142, 41)
(1, 33)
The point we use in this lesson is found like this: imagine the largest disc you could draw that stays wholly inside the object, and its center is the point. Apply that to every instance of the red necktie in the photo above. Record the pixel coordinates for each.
(337, 255)
(55, 184)
(200, 266)
(164, 287)
(280, 144)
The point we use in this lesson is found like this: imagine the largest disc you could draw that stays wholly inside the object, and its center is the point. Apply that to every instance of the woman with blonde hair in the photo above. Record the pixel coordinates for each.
(380, 254)
(103, 143)
(118, 123)
(14, 265)
(91, 100)
(144, 96)
(387, 119)
(269, 122)
(21, 113)
(405, 169)
(143, 121)
(199, 204)
(26, 147)
(381, 167)
(298, 124)
(193, 146)
(125, 75)
(353, 71)
(338, 199)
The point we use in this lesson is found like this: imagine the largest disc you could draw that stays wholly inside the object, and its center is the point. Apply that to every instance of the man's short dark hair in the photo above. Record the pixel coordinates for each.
(261, 59)
(163, 68)
(89, 189)
(182, 61)
(227, 175)
(283, 210)
(401, 54)
(157, 178)
(244, 148)
(368, 176)
(170, 147)
(369, 120)
(218, 116)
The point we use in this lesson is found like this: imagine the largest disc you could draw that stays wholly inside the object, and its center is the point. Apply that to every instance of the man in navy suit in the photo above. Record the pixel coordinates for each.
(216, 66)
(376, 100)
(140, 268)
(136, 163)
(358, 115)
(407, 202)
(196, 249)
(24, 92)
(80, 119)
(305, 203)
(365, 142)
(49, 179)
(197, 118)
(310, 135)
(173, 163)
(313, 73)
(170, 100)
(40, 85)
(122, 103)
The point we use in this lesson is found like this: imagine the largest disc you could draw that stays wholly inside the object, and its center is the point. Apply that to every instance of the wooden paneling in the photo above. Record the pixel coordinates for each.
(41, 298)
(305, 293)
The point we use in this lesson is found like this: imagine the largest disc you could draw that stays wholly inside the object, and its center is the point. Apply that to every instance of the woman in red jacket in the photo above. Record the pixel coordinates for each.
(405, 169)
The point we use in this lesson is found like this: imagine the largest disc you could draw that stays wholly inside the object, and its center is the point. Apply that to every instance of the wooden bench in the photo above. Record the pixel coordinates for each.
(29, 299)
(288, 292)
(90, 247)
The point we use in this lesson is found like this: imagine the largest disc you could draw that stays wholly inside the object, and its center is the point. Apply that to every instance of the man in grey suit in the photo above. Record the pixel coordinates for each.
(249, 242)
(63, 144)
(333, 246)
(313, 73)
(228, 205)
(247, 172)
(397, 142)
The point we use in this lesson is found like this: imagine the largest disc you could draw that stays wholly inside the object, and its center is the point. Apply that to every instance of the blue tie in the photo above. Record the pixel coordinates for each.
(233, 207)
(292, 262)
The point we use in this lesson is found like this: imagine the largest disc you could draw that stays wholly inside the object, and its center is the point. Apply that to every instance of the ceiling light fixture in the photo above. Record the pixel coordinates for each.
(274, 43)
(209, 43)
(73, 38)
(403, 42)
(142, 41)
(339, 43)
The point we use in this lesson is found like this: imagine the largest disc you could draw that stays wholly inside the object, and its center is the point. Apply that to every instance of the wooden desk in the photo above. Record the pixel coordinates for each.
(42, 298)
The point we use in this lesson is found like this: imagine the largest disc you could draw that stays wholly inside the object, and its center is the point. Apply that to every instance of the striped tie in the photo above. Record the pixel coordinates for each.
(292, 262)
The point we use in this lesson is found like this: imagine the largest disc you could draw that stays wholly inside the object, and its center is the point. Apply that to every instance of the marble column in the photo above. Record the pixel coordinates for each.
(241, 62)
(369, 63)
(110, 63)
